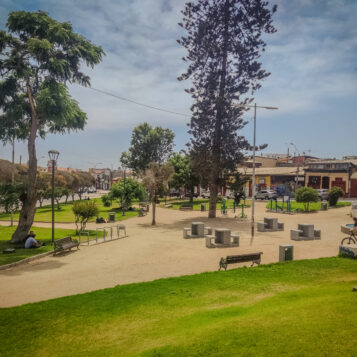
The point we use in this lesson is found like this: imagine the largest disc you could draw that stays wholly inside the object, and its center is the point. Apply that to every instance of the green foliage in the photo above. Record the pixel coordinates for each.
(236, 184)
(296, 206)
(147, 145)
(133, 190)
(41, 55)
(183, 175)
(10, 196)
(334, 194)
(306, 195)
(83, 212)
(107, 200)
(297, 308)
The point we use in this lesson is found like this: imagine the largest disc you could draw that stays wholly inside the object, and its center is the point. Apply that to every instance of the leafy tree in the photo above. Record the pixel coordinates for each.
(125, 195)
(148, 145)
(156, 180)
(184, 175)
(83, 212)
(223, 42)
(38, 57)
(10, 196)
(236, 184)
(334, 194)
(306, 195)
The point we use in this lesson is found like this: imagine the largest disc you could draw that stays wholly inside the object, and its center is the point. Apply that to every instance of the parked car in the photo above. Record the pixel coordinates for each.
(174, 194)
(323, 194)
(188, 195)
(205, 194)
(230, 196)
(266, 195)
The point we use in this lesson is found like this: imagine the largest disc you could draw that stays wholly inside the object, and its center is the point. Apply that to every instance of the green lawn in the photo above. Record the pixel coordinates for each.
(299, 308)
(176, 204)
(314, 206)
(42, 234)
(65, 215)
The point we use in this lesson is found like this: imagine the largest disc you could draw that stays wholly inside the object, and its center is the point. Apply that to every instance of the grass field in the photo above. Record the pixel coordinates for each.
(298, 308)
(42, 234)
(65, 215)
(314, 206)
(176, 204)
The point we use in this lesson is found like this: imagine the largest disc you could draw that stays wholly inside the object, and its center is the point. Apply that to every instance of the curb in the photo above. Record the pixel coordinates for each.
(26, 260)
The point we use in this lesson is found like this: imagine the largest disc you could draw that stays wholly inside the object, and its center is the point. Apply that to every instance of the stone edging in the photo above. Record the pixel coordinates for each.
(26, 260)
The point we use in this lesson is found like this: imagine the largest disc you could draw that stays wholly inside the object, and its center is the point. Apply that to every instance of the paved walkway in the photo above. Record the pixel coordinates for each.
(159, 252)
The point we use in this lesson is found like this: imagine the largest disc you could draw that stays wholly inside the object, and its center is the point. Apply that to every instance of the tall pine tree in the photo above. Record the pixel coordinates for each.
(223, 42)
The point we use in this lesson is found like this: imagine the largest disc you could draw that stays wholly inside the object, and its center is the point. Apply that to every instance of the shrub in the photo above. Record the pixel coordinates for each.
(334, 194)
(306, 195)
(107, 200)
(83, 212)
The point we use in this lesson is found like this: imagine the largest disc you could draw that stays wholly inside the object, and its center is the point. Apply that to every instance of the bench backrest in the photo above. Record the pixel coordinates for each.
(60, 242)
(243, 258)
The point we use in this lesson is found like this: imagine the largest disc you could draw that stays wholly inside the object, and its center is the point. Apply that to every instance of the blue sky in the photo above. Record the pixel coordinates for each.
(312, 59)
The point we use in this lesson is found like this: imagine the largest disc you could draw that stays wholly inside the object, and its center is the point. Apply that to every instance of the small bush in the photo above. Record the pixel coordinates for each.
(83, 212)
(334, 194)
(306, 195)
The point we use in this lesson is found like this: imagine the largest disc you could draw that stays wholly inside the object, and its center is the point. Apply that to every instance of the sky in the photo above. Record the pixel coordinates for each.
(312, 59)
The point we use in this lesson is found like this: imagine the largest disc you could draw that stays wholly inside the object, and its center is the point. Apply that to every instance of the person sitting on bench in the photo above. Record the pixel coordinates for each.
(31, 242)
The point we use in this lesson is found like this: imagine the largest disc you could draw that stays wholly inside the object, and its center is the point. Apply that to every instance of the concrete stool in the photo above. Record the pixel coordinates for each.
(186, 232)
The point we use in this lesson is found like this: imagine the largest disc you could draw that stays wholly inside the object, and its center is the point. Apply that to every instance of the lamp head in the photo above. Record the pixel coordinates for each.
(53, 154)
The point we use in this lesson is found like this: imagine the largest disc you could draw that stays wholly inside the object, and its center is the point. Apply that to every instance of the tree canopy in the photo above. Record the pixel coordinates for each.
(148, 145)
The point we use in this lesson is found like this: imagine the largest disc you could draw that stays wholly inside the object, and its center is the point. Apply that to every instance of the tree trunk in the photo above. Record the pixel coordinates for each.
(28, 210)
(153, 210)
(213, 189)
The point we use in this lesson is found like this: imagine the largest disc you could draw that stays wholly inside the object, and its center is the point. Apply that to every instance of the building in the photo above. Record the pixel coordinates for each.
(281, 179)
(103, 178)
(329, 173)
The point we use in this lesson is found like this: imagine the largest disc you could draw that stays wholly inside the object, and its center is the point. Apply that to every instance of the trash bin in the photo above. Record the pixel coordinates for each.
(203, 207)
(354, 210)
(324, 206)
(286, 252)
(111, 216)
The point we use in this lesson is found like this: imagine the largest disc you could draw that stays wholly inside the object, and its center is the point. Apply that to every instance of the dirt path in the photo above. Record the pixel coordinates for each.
(157, 252)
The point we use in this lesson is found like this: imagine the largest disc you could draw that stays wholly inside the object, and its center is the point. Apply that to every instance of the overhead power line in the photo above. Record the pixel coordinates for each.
(138, 103)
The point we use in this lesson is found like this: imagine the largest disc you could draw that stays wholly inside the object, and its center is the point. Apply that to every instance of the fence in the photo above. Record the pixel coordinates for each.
(103, 234)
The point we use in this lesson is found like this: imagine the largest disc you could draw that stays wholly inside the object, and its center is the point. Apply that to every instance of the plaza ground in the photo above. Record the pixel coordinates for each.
(157, 252)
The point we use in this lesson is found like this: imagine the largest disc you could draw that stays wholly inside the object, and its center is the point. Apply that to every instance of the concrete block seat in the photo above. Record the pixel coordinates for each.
(305, 232)
(197, 230)
(270, 225)
(222, 239)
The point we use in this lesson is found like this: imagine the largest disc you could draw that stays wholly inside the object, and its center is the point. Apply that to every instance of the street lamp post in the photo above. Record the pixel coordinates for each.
(53, 154)
(255, 106)
(124, 191)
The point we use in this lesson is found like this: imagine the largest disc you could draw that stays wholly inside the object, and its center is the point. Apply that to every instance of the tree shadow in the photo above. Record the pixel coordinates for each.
(234, 224)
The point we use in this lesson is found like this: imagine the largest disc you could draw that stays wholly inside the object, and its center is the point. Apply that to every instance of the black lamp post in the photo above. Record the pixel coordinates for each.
(53, 154)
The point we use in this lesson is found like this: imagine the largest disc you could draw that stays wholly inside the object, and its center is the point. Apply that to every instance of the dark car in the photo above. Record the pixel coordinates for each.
(188, 195)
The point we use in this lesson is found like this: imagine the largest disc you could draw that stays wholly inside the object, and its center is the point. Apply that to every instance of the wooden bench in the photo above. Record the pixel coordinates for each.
(242, 258)
(186, 208)
(65, 243)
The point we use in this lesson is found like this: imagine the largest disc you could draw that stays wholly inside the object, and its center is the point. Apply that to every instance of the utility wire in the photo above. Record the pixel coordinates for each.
(137, 103)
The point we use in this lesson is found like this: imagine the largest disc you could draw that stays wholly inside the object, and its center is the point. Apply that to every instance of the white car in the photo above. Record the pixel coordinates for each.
(265, 195)
(205, 194)
(323, 194)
